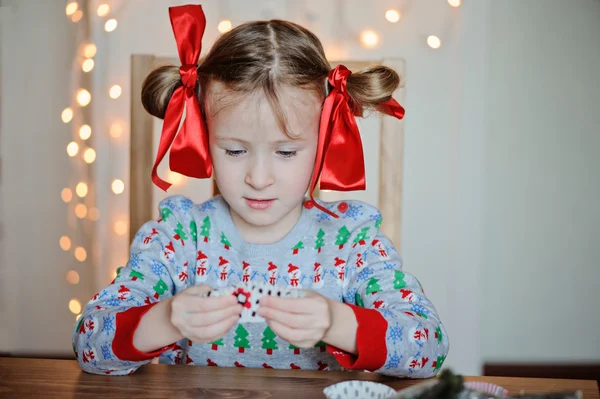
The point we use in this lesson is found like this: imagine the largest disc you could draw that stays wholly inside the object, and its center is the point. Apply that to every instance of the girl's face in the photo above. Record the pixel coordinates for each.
(261, 172)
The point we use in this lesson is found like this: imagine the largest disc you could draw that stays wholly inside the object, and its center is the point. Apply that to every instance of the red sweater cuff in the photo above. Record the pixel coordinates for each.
(126, 324)
(370, 342)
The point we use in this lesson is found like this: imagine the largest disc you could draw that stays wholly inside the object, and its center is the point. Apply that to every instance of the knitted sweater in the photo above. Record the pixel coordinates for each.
(346, 259)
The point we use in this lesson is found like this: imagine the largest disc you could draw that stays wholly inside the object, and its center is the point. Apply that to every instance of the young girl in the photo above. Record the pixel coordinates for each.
(265, 110)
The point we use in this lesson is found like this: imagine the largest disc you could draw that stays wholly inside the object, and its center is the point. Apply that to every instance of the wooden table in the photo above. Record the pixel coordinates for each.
(42, 378)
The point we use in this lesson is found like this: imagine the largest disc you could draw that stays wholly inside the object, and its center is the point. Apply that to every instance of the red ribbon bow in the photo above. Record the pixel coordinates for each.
(189, 150)
(340, 161)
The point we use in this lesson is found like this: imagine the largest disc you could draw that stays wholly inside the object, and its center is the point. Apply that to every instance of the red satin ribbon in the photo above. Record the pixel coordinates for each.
(189, 149)
(340, 161)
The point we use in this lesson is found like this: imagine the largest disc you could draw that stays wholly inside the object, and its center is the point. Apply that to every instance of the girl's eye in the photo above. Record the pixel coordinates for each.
(235, 153)
(287, 154)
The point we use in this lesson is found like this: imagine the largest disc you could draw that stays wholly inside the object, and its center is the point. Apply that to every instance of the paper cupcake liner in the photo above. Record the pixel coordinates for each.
(486, 387)
(358, 390)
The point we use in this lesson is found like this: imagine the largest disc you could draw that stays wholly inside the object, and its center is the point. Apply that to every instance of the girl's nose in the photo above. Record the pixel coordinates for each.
(260, 174)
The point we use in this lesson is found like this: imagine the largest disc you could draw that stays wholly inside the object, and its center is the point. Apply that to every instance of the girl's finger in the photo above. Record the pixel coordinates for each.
(195, 304)
(217, 330)
(292, 320)
(291, 305)
(293, 335)
(200, 319)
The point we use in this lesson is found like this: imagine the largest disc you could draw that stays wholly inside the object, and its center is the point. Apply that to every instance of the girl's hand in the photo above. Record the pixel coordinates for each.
(300, 321)
(203, 319)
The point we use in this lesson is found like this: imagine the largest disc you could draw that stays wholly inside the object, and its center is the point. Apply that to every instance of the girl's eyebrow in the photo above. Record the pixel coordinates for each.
(276, 142)
(221, 138)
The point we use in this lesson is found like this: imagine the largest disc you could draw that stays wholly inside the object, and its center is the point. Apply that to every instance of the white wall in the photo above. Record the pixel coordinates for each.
(37, 50)
(542, 190)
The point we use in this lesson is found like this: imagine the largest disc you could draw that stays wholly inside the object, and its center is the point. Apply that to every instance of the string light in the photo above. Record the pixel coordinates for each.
(74, 306)
(80, 255)
(392, 16)
(90, 50)
(67, 115)
(103, 10)
(89, 156)
(77, 16)
(81, 189)
(224, 26)
(94, 214)
(110, 25)
(454, 3)
(83, 97)
(175, 178)
(65, 243)
(85, 132)
(118, 186)
(87, 65)
(115, 91)
(434, 42)
(71, 8)
(72, 149)
(369, 38)
(72, 277)
(81, 211)
(66, 194)
(120, 227)
(116, 130)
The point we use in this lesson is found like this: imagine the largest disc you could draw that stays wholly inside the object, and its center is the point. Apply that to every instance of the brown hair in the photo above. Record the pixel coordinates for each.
(263, 55)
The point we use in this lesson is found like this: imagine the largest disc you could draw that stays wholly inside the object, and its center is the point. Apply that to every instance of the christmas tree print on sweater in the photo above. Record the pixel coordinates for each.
(342, 237)
(399, 280)
(216, 344)
(165, 213)
(225, 241)
(201, 266)
(273, 273)
(320, 241)
(362, 237)
(240, 340)
(437, 364)
(296, 248)
(180, 234)
(358, 300)
(135, 275)
(160, 288)
(194, 231)
(373, 286)
(268, 341)
(438, 334)
(295, 349)
(205, 229)
(322, 346)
